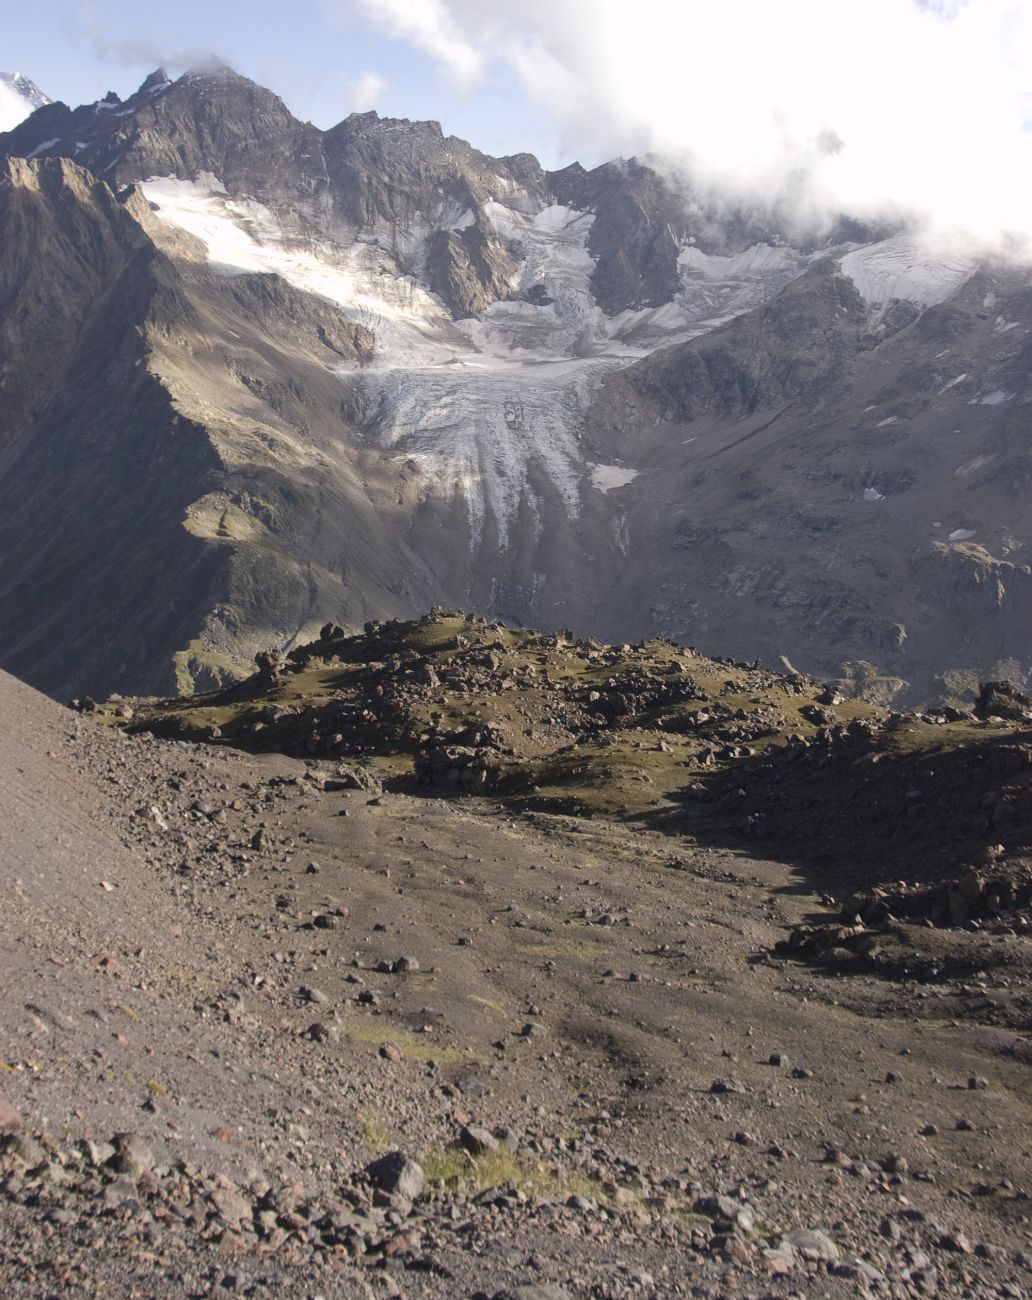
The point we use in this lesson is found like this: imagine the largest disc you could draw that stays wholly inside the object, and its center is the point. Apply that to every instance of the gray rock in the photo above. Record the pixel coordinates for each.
(477, 1141)
(119, 1193)
(811, 1241)
(233, 1208)
(397, 1174)
(534, 1291)
(132, 1156)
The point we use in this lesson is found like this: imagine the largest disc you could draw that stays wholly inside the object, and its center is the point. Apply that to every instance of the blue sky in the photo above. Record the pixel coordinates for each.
(312, 53)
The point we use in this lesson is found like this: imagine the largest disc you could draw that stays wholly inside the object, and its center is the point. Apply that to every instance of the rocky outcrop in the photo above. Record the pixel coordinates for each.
(791, 349)
(469, 269)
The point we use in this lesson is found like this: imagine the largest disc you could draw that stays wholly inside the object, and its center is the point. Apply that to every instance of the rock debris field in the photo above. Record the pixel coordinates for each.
(266, 1032)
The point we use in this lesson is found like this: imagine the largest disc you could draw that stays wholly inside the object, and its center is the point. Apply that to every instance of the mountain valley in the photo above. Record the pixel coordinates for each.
(516, 701)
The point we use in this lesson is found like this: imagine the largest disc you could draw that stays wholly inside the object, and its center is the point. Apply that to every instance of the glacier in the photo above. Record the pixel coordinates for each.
(485, 408)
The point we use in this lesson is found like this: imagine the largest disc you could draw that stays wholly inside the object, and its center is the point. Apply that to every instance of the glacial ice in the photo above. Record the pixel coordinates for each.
(907, 267)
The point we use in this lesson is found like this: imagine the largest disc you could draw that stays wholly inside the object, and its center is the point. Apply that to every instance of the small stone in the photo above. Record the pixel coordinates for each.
(813, 1242)
(233, 1208)
(977, 1083)
(10, 1120)
(390, 1053)
(132, 1156)
(405, 965)
(119, 1193)
(477, 1141)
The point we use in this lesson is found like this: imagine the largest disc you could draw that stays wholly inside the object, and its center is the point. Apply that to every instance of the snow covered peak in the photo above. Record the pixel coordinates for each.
(18, 98)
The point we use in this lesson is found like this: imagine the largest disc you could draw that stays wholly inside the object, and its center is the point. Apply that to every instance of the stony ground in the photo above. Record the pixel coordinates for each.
(233, 988)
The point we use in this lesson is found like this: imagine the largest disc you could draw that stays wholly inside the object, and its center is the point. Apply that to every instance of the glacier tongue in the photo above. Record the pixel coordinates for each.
(486, 432)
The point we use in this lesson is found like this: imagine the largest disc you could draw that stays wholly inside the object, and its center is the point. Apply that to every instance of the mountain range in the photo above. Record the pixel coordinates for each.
(257, 376)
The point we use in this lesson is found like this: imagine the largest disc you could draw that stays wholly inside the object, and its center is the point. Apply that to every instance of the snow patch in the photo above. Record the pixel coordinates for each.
(972, 466)
(872, 494)
(961, 535)
(996, 398)
(454, 216)
(44, 147)
(362, 279)
(609, 477)
(905, 267)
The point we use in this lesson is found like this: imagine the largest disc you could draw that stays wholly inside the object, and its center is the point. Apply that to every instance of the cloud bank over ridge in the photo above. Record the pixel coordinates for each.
(891, 107)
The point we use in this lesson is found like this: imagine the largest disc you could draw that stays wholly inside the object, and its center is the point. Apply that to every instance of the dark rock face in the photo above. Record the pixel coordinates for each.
(639, 221)
(94, 441)
(74, 225)
(468, 269)
(217, 122)
(792, 348)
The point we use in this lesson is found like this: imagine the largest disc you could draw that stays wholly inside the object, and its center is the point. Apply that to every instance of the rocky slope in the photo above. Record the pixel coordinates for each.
(597, 1076)
(400, 371)
(657, 733)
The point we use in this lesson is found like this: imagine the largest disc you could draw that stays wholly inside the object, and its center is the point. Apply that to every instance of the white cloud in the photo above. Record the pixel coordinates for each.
(366, 91)
(928, 100)
(13, 109)
(430, 26)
